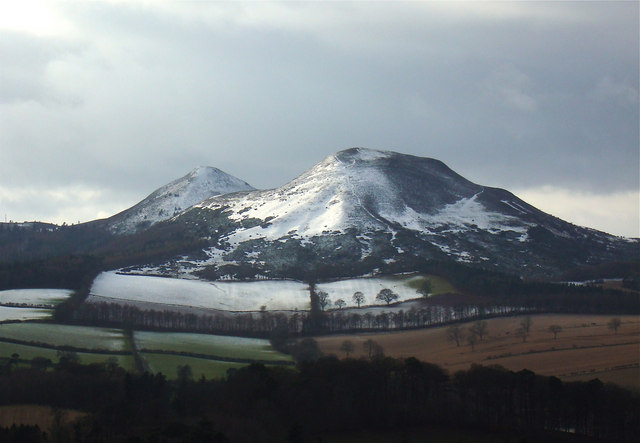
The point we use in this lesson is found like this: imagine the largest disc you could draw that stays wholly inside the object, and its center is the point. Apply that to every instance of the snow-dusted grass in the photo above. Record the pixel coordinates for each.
(21, 314)
(228, 296)
(215, 345)
(370, 287)
(60, 335)
(37, 297)
(276, 295)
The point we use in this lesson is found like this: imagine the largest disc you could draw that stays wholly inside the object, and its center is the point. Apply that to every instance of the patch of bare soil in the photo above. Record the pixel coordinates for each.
(42, 416)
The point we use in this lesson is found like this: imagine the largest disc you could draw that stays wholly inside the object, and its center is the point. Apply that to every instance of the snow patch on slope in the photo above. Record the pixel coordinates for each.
(172, 199)
(465, 214)
(326, 199)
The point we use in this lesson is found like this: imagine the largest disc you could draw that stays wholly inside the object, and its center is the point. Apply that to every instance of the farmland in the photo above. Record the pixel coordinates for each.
(65, 335)
(228, 296)
(210, 345)
(404, 286)
(274, 295)
(30, 304)
(585, 348)
(168, 365)
(27, 353)
(207, 355)
(34, 297)
(10, 313)
(35, 415)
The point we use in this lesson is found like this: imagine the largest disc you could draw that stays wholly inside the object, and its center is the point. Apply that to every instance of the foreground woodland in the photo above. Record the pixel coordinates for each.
(319, 400)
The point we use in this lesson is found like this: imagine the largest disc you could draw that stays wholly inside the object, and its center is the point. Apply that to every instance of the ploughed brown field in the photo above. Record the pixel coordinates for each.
(585, 348)
(42, 416)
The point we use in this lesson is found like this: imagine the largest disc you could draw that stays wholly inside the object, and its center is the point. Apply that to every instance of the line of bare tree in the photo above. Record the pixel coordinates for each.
(264, 322)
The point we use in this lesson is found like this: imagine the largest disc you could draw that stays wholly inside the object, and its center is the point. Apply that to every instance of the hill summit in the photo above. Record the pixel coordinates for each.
(363, 210)
(172, 199)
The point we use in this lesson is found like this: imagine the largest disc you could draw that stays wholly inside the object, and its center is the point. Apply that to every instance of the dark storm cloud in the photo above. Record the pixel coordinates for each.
(516, 95)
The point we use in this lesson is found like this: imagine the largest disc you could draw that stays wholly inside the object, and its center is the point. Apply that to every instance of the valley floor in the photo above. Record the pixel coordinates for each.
(585, 348)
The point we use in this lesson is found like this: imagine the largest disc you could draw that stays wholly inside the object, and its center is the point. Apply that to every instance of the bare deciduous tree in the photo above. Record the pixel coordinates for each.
(472, 339)
(525, 328)
(373, 348)
(347, 347)
(387, 295)
(323, 300)
(614, 324)
(358, 298)
(479, 329)
(455, 333)
(555, 330)
(425, 289)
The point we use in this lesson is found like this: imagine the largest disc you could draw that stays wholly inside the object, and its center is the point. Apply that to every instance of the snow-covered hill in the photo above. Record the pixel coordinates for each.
(371, 191)
(170, 200)
(361, 210)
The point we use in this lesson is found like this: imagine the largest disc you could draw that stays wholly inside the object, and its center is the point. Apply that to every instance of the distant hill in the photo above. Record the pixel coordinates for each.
(357, 212)
(361, 211)
(170, 200)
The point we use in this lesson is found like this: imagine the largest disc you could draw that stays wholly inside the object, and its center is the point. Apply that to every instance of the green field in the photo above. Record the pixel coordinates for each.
(438, 284)
(213, 345)
(29, 352)
(61, 335)
(168, 365)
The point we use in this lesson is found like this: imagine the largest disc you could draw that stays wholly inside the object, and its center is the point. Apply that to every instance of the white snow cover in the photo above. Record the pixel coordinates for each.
(21, 314)
(327, 198)
(276, 295)
(166, 202)
(228, 296)
(460, 215)
(370, 287)
(39, 297)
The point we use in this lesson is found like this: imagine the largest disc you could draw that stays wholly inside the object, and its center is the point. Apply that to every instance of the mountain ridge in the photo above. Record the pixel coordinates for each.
(365, 209)
(356, 212)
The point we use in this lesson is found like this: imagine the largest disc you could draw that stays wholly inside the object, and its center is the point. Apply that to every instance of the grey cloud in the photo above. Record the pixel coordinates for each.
(507, 95)
(24, 60)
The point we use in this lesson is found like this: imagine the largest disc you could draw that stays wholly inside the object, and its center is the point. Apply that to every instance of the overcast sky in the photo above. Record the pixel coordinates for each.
(102, 102)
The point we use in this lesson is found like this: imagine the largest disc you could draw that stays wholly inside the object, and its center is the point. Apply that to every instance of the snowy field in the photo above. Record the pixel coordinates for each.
(276, 295)
(34, 297)
(227, 296)
(21, 314)
(370, 287)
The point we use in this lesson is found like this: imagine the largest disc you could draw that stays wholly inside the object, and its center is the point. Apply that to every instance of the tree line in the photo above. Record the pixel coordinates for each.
(323, 396)
(295, 323)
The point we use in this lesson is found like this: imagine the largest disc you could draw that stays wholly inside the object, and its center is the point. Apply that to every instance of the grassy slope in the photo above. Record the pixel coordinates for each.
(113, 340)
(59, 335)
(29, 352)
(214, 345)
(438, 284)
(168, 365)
